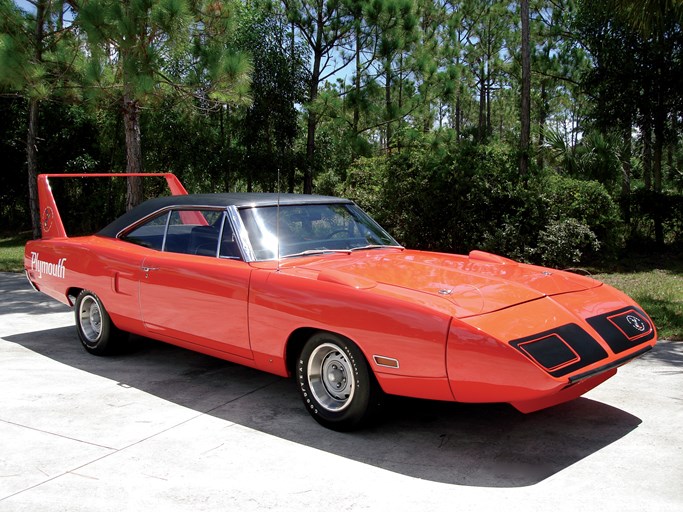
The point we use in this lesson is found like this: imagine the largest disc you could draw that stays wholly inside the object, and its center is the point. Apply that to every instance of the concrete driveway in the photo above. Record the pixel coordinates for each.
(161, 428)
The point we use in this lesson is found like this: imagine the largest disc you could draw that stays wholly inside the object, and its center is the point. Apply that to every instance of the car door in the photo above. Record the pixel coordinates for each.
(195, 289)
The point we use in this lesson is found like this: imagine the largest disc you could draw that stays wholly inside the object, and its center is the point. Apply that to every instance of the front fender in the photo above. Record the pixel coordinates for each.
(378, 322)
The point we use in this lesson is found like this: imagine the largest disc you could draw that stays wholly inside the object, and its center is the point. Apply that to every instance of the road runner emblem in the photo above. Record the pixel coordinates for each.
(47, 218)
(636, 323)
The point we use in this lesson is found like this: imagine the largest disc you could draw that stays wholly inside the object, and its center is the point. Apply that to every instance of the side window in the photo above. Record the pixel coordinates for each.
(150, 234)
(229, 248)
(188, 232)
(194, 232)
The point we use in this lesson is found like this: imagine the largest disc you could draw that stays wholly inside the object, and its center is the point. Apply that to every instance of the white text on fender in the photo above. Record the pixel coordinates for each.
(44, 267)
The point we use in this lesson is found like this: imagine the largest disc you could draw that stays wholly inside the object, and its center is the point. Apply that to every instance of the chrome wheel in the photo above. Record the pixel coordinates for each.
(331, 377)
(96, 331)
(335, 382)
(90, 318)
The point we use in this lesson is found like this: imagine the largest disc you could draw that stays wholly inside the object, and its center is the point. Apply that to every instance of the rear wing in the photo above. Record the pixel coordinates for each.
(51, 224)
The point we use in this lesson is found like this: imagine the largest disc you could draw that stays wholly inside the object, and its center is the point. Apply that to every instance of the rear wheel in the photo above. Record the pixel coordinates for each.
(96, 331)
(335, 382)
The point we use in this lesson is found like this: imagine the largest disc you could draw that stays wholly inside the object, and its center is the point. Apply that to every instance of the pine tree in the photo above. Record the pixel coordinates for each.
(324, 25)
(38, 57)
(134, 45)
(525, 116)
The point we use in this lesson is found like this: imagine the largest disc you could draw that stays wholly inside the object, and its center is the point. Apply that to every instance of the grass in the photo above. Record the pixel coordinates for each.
(655, 282)
(12, 252)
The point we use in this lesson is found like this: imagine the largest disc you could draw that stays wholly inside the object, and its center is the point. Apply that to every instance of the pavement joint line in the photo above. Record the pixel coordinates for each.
(55, 434)
(268, 384)
(102, 457)
(115, 451)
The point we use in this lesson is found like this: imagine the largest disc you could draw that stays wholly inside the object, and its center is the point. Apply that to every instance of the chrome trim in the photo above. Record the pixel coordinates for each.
(390, 361)
(134, 225)
(168, 221)
(229, 212)
(241, 234)
(220, 235)
(331, 377)
(28, 278)
(157, 213)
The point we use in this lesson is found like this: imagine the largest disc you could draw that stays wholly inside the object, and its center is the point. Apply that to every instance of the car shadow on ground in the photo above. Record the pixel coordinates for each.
(489, 445)
(19, 297)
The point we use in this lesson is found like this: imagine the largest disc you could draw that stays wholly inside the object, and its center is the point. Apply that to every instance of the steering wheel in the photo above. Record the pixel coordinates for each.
(337, 231)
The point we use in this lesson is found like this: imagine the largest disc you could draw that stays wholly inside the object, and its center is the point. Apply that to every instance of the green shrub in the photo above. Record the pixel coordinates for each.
(589, 203)
(472, 197)
(562, 243)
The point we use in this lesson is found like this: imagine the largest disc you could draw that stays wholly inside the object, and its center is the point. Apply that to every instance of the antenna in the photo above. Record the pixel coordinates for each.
(277, 222)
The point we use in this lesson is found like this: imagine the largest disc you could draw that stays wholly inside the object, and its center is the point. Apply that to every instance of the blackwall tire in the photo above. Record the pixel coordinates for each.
(96, 331)
(335, 382)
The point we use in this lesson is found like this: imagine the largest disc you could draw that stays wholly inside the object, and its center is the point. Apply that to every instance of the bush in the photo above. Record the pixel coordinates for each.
(562, 243)
(589, 203)
(472, 197)
(364, 183)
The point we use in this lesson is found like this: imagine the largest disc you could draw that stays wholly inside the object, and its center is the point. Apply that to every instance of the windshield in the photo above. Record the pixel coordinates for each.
(311, 229)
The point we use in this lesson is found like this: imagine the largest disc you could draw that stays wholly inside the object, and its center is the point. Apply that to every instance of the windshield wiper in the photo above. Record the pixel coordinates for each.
(309, 252)
(317, 251)
(376, 246)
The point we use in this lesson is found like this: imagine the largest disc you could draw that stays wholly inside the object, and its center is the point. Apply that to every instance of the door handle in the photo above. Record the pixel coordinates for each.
(147, 270)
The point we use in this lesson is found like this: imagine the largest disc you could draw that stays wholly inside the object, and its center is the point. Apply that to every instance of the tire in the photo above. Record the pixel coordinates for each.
(335, 382)
(96, 331)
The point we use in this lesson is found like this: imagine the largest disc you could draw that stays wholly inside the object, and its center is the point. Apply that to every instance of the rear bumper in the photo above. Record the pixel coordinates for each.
(28, 278)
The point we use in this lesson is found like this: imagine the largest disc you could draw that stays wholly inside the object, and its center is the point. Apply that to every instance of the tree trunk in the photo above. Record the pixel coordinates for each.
(657, 175)
(400, 102)
(131, 123)
(387, 104)
(292, 58)
(525, 119)
(487, 69)
(312, 116)
(626, 178)
(489, 126)
(310, 144)
(542, 115)
(456, 124)
(32, 131)
(32, 167)
(482, 104)
(356, 84)
(673, 144)
(647, 156)
(457, 115)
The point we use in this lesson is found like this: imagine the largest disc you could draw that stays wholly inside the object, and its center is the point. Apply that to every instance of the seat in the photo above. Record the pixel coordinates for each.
(203, 241)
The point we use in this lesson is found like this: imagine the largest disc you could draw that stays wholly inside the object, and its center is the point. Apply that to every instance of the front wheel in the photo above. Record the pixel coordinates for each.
(96, 331)
(335, 382)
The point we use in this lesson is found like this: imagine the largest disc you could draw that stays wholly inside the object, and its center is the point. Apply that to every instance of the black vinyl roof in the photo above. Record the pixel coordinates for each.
(213, 200)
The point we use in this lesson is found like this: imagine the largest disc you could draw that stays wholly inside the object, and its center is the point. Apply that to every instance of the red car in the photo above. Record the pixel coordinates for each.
(311, 287)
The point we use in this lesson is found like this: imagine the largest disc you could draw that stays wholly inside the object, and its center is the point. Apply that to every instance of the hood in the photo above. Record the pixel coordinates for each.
(475, 284)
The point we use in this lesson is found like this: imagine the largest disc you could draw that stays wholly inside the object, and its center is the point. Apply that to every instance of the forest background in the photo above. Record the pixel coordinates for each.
(544, 130)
